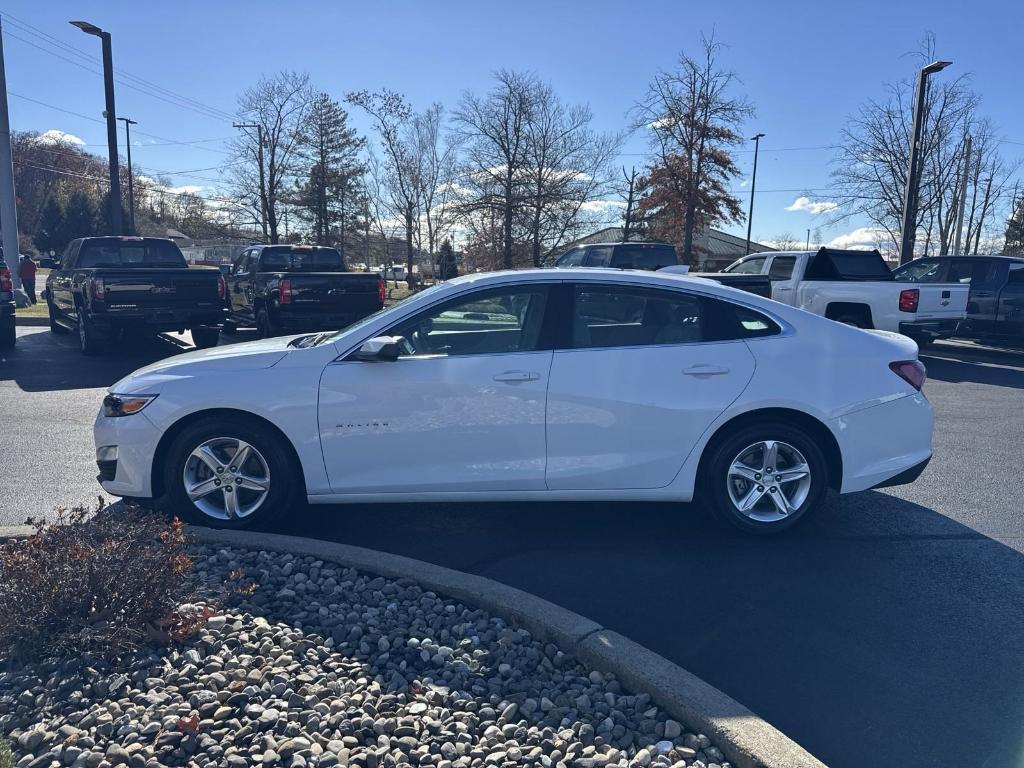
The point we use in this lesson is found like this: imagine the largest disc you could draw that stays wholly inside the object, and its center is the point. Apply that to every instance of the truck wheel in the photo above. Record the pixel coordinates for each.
(854, 320)
(88, 337)
(265, 327)
(8, 336)
(204, 336)
(55, 327)
(229, 327)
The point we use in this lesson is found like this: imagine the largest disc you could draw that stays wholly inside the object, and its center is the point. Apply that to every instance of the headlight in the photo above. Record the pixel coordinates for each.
(125, 405)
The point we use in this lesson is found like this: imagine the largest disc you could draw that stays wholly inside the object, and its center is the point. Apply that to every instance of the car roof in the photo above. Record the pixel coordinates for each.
(623, 242)
(947, 256)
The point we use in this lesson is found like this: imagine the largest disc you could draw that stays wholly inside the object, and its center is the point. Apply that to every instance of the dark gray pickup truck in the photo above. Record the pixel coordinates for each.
(292, 288)
(106, 284)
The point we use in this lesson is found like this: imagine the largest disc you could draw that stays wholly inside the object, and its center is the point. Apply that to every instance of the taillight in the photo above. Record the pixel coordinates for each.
(6, 283)
(285, 291)
(221, 287)
(382, 291)
(909, 299)
(911, 371)
(99, 290)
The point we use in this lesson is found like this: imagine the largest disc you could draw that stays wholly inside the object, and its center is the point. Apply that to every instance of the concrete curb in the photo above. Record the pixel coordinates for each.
(18, 321)
(747, 740)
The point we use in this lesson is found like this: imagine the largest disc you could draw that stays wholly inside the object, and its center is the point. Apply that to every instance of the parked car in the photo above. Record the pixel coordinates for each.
(650, 256)
(857, 288)
(288, 288)
(8, 335)
(108, 284)
(47, 262)
(532, 385)
(995, 307)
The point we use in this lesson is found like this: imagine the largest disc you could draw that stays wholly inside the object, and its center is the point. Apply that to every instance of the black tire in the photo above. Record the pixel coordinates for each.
(205, 337)
(923, 342)
(855, 320)
(8, 335)
(268, 446)
(265, 327)
(55, 326)
(717, 483)
(229, 327)
(89, 339)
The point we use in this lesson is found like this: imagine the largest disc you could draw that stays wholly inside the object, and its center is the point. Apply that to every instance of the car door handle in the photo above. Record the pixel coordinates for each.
(513, 377)
(705, 370)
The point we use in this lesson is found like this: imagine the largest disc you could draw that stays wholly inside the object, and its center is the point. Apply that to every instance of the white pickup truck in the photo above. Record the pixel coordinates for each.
(857, 288)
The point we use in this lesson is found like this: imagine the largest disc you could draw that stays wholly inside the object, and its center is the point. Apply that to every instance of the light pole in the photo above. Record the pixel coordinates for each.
(753, 183)
(8, 199)
(909, 228)
(128, 122)
(263, 184)
(116, 224)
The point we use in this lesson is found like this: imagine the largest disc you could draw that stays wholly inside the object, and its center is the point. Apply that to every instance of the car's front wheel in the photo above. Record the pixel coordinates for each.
(765, 478)
(229, 473)
(205, 336)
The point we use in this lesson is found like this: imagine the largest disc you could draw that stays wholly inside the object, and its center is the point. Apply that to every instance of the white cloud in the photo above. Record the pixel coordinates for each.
(862, 237)
(187, 189)
(813, 207)
(602, 206)
(53, 136)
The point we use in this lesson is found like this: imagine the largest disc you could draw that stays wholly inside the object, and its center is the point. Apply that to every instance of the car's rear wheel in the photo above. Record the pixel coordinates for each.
(230, 473)
(8, 335)
(88, 337)
(204, 336)
(265, 326)
(766, 477)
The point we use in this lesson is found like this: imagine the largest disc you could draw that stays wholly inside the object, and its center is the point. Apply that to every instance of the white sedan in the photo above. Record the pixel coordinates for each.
(533, 385)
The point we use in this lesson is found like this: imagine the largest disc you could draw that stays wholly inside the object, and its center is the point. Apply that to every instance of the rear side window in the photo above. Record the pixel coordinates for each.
(628, 316)
(651, 256)
(974, 270)
(782, 267)
(1016, 275)
(599, 256)
(748, 267)
(130, 253)
(573, 258)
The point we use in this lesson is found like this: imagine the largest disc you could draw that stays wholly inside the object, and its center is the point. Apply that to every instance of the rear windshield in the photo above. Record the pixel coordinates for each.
(645, 256)
(148, 254)
(848, 265)
(296, 260)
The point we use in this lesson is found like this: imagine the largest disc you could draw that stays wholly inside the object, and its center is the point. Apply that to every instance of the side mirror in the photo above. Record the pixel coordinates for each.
(379, 349)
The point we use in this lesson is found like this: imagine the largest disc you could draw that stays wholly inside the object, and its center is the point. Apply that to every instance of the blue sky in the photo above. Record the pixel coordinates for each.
(804, 65)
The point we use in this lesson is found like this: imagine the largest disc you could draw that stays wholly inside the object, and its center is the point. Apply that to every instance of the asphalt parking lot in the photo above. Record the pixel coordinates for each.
(887, 631)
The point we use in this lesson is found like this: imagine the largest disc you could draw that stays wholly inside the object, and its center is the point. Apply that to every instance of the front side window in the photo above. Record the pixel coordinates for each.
(746, 267)
(924, 271)
(599, 256)
(626, 316)
(976, 271)
(495, 321)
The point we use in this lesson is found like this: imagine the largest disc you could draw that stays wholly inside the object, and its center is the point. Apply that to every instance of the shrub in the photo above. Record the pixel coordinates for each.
(98, 582)
(6, 756)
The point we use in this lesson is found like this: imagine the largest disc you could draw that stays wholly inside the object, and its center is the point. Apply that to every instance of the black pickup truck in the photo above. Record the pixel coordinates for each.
(995, 304)
(292, 288)
(103, 285)
(7, 332)
(652, 257)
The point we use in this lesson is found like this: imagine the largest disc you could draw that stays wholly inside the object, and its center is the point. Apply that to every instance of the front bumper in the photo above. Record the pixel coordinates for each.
(136, 438)
(886, 443)
(933, 329)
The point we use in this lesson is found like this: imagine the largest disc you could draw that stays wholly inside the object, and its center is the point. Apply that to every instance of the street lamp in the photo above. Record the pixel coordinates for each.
(909, 228)
(753, 182)
(116, 224)
(128, 122)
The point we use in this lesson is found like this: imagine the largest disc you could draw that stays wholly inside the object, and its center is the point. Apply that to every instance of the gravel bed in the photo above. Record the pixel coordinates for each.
(321, 665)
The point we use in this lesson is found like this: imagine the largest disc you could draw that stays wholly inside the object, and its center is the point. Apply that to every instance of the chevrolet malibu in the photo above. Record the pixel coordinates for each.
(532, 385)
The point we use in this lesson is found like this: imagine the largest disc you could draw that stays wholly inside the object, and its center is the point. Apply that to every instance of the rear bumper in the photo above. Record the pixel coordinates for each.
(905, 477)
(885, 444)
(160, 319)
(935, 329)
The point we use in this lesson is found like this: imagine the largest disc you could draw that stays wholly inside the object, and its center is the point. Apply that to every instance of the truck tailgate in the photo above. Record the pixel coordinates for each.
(143, 288)
(328, 292)
(941, 301)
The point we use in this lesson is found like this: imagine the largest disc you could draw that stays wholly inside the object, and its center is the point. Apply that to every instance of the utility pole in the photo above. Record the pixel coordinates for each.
(116, 222)
(131, 186)
(753, 183)
(263, 182)
(909, 229)
(963, 196)
(808, 246)
(8, 207)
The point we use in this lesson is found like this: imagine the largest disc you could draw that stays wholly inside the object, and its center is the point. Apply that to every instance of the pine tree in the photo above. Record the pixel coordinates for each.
(447, 268)
(50, 234)
(1015, 229)
(79, 217)
(326, 198)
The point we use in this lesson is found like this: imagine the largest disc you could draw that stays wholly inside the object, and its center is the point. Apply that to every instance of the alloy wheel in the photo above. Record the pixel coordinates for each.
(768, 481)
(226, 478)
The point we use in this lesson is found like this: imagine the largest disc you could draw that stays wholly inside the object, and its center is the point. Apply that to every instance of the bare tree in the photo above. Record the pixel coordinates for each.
(400, 167)
(436, 154)
(785, 242)
(494, 128)
(627, 217)
(278, 104)
(693, 120)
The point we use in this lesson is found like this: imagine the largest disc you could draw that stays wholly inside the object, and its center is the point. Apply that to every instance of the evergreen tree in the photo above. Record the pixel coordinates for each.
(325, 199)
(447, 268)
(79, 217)
(102, 223)
(1015, 229)
(50, 234)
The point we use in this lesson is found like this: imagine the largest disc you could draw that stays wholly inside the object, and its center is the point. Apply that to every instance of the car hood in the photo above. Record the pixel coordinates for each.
(253, 355)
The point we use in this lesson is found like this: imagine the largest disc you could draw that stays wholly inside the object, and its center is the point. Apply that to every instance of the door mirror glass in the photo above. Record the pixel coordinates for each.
(380, 349)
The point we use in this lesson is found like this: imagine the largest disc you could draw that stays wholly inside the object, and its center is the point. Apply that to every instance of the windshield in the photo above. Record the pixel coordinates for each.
(130, 253)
